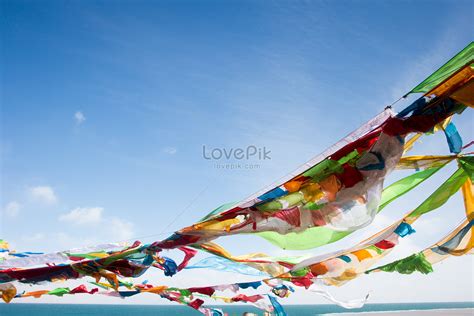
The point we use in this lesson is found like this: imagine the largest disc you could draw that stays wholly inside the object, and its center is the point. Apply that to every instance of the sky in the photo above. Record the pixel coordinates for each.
(109, 110)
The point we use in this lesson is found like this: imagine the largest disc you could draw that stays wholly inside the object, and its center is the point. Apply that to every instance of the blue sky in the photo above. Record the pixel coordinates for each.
(106, 107)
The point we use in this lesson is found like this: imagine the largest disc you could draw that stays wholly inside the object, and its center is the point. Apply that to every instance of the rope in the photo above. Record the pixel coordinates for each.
(164, 230)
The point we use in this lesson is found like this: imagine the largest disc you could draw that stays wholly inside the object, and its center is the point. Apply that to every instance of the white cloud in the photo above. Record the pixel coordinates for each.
(68, 241)
(115, 228)
(170, 150)
(79, 117)
(12, 209)
(54, 241)
(83, 215)
(120, 229)
(44, 194)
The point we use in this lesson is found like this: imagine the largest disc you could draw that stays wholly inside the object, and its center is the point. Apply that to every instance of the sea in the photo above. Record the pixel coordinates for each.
(23, 309)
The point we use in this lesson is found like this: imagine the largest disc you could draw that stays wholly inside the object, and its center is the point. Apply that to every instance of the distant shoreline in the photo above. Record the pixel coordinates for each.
(444, 311)
(383, 309)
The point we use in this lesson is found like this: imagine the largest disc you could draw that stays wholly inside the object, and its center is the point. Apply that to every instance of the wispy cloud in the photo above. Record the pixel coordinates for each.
(170, 150)
(120, 229)
(114, 227)
(79, 117)
(44, 194)
(12, 209)
(41, 241)
(83, 215)
(436, 54)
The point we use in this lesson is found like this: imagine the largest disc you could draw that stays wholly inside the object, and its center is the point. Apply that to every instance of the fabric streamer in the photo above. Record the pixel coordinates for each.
(351, 304)
(222, 264)
(408, 265)
(464, 57)
(278, 309)
(453, 138)
(318, 236)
